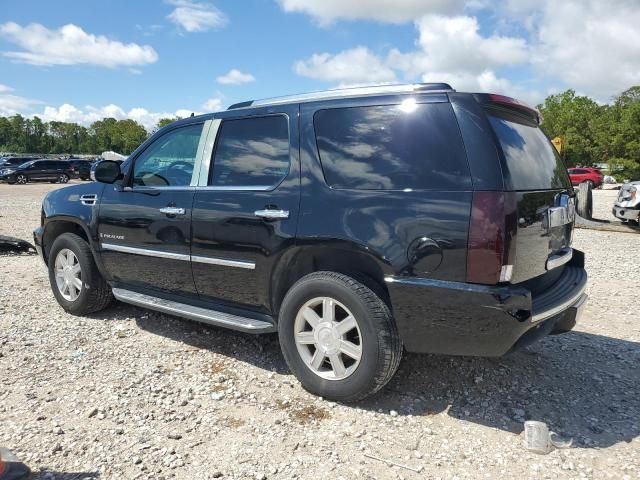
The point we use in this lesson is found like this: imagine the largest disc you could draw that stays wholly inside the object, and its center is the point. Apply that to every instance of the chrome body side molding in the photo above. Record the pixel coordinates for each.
(211, 317)
(179, 256)
(224, 262)
(146, 252)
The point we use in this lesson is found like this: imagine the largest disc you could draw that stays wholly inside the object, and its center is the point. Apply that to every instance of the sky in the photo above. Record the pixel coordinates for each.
(80, 61)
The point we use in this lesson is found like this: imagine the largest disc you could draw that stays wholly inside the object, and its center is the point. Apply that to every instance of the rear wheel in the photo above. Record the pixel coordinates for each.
(338, 337)
(21, 179)
(75, 280)
(63, 178)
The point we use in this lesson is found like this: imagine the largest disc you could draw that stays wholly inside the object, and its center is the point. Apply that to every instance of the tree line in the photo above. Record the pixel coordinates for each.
(19, 134)
(591, 133)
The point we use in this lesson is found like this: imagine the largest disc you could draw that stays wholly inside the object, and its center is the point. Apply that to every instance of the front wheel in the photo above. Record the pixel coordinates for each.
(338, 337)
(75, 280)
(21, 179)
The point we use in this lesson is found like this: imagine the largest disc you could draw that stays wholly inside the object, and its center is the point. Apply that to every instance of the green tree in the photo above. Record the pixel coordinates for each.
(572, 118)
(163, 122)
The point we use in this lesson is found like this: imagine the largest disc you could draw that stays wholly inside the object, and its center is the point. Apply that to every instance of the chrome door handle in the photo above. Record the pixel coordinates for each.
(172, 210)
(272, 214)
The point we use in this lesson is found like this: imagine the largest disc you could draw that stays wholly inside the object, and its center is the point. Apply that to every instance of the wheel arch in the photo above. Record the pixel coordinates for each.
(343, 257)
(56, 226)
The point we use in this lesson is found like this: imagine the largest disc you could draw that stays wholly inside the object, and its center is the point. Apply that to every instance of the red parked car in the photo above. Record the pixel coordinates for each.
(580, 175)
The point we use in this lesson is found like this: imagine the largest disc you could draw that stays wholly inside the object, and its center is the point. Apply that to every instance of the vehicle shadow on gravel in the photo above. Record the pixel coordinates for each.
(262, 351)
(582, 385)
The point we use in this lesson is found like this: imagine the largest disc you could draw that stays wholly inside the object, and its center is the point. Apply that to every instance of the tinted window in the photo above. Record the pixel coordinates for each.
(168, 161)
(532, 161)
(391, 148)
(252, 152)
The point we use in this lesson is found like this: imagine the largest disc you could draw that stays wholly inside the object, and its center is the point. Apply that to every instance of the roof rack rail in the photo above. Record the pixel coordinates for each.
(347, 92)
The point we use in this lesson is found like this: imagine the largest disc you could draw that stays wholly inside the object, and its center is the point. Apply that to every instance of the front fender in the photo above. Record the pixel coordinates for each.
(64, 206)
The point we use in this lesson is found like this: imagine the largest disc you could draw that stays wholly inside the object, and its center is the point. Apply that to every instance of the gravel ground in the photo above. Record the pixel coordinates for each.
(129, 393)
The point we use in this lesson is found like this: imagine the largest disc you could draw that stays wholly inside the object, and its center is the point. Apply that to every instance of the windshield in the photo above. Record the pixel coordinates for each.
(26, 164)
(531, 160)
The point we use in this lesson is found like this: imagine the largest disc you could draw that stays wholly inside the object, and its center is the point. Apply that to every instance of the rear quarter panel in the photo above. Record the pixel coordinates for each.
(382, 223)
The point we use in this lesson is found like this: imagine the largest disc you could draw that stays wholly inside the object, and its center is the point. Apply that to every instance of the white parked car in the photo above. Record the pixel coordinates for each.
(627, 205)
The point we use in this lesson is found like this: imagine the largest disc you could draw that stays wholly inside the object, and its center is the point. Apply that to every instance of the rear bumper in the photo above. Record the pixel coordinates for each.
(455, 318)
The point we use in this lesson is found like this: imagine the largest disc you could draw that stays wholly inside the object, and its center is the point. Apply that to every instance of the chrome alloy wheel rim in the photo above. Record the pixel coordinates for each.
(68, 274)
(328, 338)
(21, 179)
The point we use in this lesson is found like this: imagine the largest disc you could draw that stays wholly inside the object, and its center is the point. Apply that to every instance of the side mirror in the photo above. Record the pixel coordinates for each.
(107, 171)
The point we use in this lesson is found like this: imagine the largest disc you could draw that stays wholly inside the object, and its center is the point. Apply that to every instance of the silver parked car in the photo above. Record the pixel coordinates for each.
(627, 205)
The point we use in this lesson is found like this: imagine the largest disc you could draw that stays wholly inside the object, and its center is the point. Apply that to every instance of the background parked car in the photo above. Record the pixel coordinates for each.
(54, 171)
(81, 168)
(590, 175)
(9, 162)
(627, 205)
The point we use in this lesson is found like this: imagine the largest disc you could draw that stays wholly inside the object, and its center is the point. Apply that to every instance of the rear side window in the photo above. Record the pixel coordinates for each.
(392, 147)
(531, 159)
(252, 152)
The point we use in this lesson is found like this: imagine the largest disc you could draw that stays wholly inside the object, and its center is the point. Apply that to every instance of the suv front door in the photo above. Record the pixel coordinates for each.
(145, 223)
(245, 212)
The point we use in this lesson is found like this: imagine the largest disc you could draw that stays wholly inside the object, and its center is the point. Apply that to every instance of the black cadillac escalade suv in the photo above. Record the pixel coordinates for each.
(356, 223)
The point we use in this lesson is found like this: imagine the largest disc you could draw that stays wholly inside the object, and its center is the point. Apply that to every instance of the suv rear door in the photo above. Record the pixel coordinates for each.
(245, 211)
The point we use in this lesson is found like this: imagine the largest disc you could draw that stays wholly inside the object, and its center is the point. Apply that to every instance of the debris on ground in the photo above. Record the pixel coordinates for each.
(12, 244)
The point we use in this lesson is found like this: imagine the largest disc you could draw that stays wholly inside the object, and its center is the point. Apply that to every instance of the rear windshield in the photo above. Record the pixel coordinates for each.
(532, 161)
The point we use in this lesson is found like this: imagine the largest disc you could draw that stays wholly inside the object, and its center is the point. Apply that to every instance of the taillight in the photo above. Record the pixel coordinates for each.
(492, 230)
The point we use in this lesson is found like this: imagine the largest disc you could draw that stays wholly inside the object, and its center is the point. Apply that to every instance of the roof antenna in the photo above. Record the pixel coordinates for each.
(193, 114)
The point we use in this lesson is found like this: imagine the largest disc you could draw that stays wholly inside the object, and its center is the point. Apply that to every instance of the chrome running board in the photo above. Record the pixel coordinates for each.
(212, 317)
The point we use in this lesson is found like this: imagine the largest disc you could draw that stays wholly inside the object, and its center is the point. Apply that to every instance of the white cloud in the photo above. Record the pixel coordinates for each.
(12, 104)
(349, 67)
(388, 11)
(89, 114)
(235, 77)
(214, 104)
(599, 54)
(450, 49)
(194, 16)
(5, 88)
(71, 45)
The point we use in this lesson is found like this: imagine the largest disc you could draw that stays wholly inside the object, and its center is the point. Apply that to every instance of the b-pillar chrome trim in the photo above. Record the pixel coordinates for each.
(208, 141)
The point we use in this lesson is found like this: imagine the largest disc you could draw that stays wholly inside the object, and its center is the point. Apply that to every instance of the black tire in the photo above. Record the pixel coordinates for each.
(63, 178)
(95, 294)
(21, 179)
(380, 342)
(584, 203)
